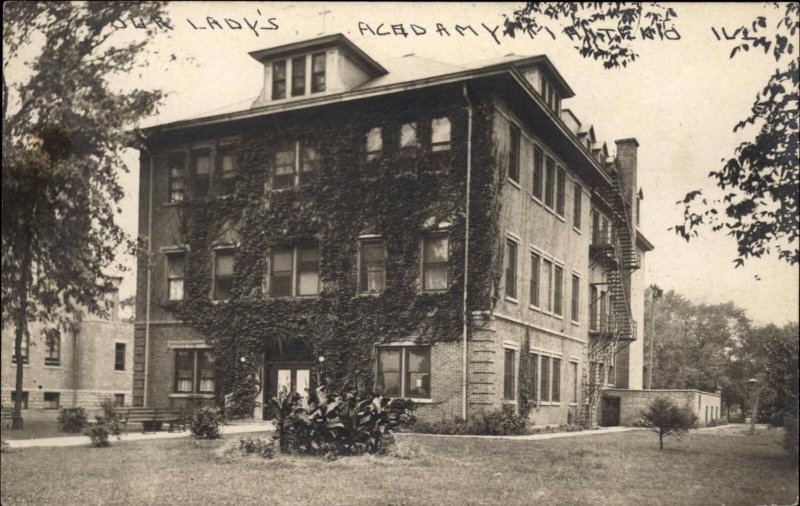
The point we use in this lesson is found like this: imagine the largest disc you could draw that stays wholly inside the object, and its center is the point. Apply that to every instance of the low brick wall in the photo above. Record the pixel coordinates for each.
(705, 405)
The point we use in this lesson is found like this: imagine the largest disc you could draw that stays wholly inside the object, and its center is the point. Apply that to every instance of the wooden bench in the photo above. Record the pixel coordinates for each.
(151, 416)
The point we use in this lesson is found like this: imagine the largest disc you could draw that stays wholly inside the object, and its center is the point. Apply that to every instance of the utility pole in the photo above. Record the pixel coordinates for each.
(655, 294)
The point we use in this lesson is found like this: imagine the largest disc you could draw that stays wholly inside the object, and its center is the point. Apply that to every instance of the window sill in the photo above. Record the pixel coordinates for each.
(537, 200)
(511, 299)
(509, 402)
(54, 367)
(190, 396)
(117, 371)
(513, 183)
(13, 364)
(577, 230)
(369, 294)
(577, 324)
(573, 404)
(535, 308)
(558, 316)
(555, 403)
(294, 297)
(174, 300)
(560, 217)
(172, 204)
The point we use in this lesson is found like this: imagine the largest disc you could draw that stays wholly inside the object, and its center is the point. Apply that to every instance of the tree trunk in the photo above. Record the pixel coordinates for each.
(21, 331)
(660, 440)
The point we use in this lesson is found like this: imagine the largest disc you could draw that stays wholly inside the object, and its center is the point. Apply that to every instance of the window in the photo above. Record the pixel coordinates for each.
(511, 269)
(576, 207)
(509, 376)
(408, 145)
(223, 273)
(374, 144)
(575, 382)
(298, 76)
(549, 183)
(283, 167)
(279, 80)
(560, 191)
(435, 255)
(538, 172)
(286, 171)
(513, 154)
(371, 268)
(227, 168)
(294, 271)
(51, 400)
(119, 356)
(595, 228)
(405, 371)
(318, 73)
(52, 350)
(24, 398)
(547, 284)
(556, 397)
(558, 291)
(536, 260)
(177, 176)
(533, 365)
(309, 163)
(119, 400)
(611, 378)
(176, 273)
(604, 239)
(593, 319)
(603, 308)
(576, 296)
(440, 134)
(26, 345)
(545, 388)
(201, 160)
(194, 371)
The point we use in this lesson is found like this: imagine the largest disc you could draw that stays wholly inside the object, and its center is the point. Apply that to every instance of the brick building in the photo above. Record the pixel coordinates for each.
(315, 177)
(88, 363)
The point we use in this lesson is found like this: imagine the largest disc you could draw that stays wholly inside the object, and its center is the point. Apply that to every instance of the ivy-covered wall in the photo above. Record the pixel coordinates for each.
(336, 206)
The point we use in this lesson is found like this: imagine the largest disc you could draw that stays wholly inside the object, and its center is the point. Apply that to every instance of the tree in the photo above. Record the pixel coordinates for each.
(666, 418)
(760, 181)
(64, 130)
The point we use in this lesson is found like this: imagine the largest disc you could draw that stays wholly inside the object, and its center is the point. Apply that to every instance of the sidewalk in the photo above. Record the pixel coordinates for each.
(237, 428)
(536, 437)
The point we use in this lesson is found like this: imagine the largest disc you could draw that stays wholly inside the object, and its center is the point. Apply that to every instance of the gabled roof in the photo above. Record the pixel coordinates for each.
(336, 39)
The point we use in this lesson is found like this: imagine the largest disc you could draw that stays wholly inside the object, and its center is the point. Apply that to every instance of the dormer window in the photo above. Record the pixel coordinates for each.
(298, 76)
(318, 73)
(279, 80)
(550, 96)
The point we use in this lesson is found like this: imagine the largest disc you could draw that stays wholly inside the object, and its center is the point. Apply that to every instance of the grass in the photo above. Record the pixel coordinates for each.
(715, 467)
(34, 429)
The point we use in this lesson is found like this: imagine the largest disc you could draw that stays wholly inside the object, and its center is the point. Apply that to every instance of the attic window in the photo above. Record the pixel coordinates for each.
(298, 76)
(318, 73)
(279, 80)
(550, 96)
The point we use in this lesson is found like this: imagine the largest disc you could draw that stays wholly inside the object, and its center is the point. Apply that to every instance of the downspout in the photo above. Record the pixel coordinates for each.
(149, 276)
(76, 364)
(465, 316)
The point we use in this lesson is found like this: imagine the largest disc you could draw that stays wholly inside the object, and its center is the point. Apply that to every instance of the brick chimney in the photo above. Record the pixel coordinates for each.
(626, 165)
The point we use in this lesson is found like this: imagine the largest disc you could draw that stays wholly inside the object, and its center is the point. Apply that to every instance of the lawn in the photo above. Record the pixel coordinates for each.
(720, 467)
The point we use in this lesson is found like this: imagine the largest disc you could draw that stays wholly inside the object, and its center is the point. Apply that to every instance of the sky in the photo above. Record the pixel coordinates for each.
(680, 100)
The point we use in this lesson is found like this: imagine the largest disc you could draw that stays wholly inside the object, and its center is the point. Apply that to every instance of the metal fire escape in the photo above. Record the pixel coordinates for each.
(614, 328)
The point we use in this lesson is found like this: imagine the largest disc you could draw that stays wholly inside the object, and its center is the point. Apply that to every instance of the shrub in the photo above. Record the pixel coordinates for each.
(499, 422)
(205, 422)
(446, 427)
(790, 436)
(101, 429)
(405, 411)
(72, 419)
(282, 407)
(665, 418)
(4, 446)
(265, 448)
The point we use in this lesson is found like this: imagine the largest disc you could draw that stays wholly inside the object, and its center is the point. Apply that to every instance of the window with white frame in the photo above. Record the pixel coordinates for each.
(293, 163)
(435, 257)
(576, 296)
(52, 350)
(371, 265)
(294, 271)
(318, 72)
(547, 284)
(177, 176)
(409, 141)
(561, 186)
(509, 374)
(405, 371)
(576, 206)
(279, 80)
(176, 274)
(223, 273)
(299, 76)
(538, 172)
(558, 290)
(194, 371)
(514, 153)
(549, 182)
(373, 144)
(511, 268)
(440, 134)
(25, 348)
(52, 400)
(536, 261)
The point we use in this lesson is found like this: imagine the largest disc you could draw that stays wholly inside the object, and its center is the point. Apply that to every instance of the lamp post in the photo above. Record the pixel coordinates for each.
(321, 359)
(753, 383)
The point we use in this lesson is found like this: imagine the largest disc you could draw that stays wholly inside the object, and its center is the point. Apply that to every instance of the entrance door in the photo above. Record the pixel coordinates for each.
(610, 411)
(292, 376)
